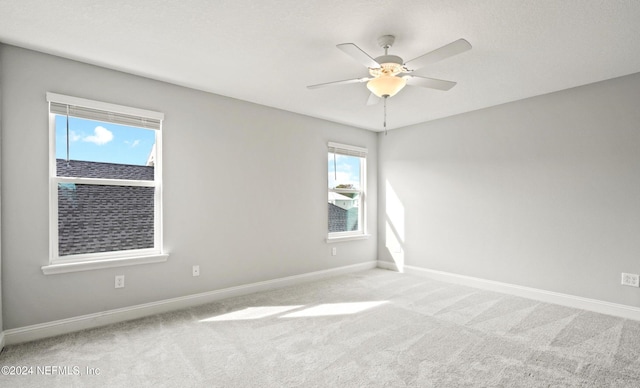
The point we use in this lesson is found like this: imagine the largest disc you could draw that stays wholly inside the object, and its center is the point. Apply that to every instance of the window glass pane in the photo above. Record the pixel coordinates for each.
(103, 150)
(344, 171)
(344, 212)
(97, 218)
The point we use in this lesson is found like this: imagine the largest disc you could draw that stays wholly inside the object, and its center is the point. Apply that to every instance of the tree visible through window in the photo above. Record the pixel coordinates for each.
(105, 182)
(346, 206)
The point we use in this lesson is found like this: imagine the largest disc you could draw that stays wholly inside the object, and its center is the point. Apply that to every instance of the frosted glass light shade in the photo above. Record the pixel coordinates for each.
(386, 86)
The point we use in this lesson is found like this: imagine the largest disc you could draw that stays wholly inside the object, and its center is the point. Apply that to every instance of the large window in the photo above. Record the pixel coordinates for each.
(346, 183)
(105, 181)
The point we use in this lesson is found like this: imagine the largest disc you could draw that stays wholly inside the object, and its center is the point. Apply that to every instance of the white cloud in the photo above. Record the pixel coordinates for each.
(132, 144)
(74, 136)
(101, 136)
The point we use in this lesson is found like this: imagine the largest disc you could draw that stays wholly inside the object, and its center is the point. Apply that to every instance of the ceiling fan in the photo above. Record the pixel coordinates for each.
(388, 74)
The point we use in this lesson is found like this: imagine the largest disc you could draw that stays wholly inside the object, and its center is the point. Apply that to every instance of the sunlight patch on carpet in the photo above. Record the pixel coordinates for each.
(251, 313)
(329, 309)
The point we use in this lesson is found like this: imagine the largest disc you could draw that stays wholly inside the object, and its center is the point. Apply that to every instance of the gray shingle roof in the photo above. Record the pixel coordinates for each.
(82, 169)
(97, 218)
(341, 220)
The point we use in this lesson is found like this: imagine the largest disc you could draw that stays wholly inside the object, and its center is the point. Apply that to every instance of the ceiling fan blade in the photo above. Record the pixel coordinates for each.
(359, 55)
(431, 83)
(344, 82)
(373, 99)
(446, 51)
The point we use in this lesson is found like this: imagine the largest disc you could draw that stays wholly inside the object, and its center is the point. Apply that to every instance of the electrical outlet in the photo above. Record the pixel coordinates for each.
(630, 279)
(196, 270)
(119, 281)
(334, 251)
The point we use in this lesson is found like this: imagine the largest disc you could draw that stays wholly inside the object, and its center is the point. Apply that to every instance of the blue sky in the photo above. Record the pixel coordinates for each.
(103, 142)
(348, 170)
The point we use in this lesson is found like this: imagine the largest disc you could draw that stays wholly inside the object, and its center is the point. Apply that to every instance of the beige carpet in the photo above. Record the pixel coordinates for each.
(371, 329)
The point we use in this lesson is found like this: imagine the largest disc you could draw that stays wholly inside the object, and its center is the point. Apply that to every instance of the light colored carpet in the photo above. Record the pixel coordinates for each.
(370, 329)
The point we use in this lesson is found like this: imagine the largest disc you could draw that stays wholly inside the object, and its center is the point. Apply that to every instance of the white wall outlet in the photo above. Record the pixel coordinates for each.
(334, 251)
(119, 281)
(196, 270)
(630, 279)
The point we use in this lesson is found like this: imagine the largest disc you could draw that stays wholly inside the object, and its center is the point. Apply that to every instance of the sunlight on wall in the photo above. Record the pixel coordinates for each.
(327, 309)
(394, 227)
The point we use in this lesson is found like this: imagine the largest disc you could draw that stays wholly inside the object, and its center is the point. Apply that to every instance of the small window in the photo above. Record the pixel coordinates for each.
(105, 180)
(346, 195)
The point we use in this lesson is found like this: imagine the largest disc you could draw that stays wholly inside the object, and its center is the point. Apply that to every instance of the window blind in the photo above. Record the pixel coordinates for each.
(343, 149)
(105, 112)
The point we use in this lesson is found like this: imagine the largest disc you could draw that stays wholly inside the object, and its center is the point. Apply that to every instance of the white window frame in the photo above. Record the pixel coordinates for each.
(120, 115)
(349, 150)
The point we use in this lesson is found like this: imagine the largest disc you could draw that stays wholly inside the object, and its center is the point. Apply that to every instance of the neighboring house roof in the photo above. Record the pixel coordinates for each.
(99, 218)
(83, 169)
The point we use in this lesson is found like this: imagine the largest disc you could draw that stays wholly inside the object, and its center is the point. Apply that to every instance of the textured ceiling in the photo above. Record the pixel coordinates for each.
(267, 52)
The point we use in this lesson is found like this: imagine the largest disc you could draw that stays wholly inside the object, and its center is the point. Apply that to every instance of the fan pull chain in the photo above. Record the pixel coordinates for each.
(385, 116)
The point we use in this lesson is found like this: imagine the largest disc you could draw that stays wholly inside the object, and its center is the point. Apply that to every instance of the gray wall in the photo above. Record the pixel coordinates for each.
(244, 192)
(1, 66)
(543, 192)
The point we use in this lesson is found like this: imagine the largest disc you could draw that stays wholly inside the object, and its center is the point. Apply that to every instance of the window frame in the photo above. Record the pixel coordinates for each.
(86, 261)
(360, 152)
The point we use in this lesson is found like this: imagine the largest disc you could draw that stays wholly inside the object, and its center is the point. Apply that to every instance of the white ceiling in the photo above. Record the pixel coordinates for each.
(267, 52)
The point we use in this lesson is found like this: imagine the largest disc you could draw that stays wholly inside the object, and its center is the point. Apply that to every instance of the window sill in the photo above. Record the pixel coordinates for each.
(77, 266)
(347, 238)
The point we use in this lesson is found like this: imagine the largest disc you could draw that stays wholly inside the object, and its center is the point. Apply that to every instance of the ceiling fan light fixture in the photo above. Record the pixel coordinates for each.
(386, 85)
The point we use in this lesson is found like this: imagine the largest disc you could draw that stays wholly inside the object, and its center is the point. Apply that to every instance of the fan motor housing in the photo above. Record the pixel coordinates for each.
(389, 59)
(390, 65)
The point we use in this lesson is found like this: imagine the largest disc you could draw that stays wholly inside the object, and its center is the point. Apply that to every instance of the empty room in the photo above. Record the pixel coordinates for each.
(320, 194)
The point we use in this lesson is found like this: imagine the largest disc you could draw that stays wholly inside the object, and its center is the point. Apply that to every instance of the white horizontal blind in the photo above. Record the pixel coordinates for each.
(343, 149)
(105, 112)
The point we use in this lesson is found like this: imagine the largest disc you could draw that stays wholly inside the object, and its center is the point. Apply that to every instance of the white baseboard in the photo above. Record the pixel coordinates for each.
(598, 306)
(388, 265)
(63, 326)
